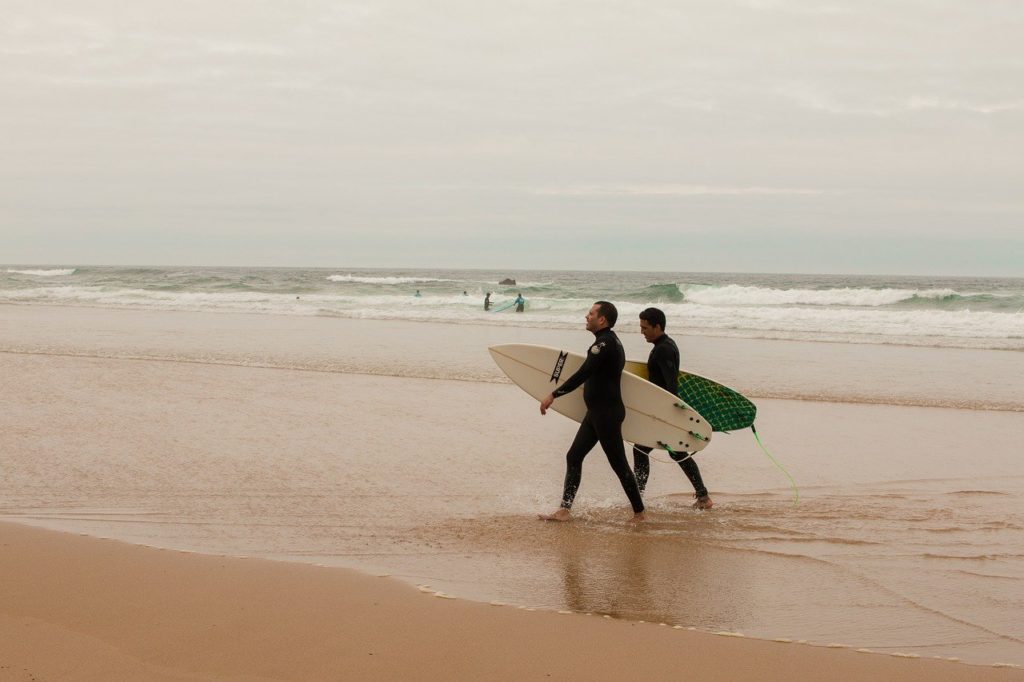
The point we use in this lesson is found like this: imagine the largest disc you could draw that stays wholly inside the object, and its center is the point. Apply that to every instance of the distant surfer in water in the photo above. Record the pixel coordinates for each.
(600, 376)
(487, 301)
(663, 370)
(520, 303)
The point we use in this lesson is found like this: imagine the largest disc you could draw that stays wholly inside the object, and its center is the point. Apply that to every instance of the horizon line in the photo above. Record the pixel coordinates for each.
(497, 269)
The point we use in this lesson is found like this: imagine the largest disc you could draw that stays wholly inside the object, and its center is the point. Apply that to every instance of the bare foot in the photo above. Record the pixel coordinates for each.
(561, 515)
(639, 517)
(703, 503)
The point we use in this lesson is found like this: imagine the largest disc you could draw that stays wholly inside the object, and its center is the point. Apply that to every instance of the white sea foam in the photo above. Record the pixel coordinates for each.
(864, 323)
(53, 272)
(853, 322)
(735, 295)
(357, 279)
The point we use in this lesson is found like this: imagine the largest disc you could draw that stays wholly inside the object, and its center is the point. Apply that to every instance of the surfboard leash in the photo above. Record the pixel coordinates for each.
(796, 493)
(676, 459)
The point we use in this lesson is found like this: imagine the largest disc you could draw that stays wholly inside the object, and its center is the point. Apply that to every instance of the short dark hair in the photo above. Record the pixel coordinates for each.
(608, 312)
(653, 317)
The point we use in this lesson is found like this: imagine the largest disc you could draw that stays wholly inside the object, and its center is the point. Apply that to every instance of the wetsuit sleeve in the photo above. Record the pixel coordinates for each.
(581, 375)
(664, 369)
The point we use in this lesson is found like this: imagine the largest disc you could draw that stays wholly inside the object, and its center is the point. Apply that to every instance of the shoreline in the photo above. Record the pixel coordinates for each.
(81, 607)
(958, 378)
(501, 380)
(780, 336)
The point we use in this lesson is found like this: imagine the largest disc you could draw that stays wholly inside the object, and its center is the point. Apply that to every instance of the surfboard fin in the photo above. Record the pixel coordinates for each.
(674, 454)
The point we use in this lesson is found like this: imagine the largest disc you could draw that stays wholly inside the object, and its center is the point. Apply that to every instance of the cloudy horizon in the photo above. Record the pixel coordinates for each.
(758, 136)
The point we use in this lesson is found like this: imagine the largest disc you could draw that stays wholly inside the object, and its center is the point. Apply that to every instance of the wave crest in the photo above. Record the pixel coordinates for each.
(357, 279)
(736, 295)
(656, 293)
(49, 272)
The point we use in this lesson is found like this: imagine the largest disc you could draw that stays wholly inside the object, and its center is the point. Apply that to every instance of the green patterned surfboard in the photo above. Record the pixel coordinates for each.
(722, 407)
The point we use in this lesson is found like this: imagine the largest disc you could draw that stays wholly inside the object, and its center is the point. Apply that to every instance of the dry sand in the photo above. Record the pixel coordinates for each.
(76, 608)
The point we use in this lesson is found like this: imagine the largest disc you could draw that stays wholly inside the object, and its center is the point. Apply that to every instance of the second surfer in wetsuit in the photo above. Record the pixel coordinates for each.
(600, 376)
(663, 370)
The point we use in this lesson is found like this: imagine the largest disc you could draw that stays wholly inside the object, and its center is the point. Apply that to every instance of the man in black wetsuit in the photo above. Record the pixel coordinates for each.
(600, 377)
(663, 370)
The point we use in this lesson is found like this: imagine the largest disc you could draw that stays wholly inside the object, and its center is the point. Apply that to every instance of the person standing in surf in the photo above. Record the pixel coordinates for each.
(663, 371)
(600, 376)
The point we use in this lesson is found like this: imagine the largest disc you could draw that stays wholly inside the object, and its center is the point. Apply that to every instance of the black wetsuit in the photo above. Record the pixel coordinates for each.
(663, 370)
(601, 376)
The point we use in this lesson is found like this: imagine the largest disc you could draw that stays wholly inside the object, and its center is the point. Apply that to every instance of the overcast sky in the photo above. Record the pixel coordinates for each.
(874, 136)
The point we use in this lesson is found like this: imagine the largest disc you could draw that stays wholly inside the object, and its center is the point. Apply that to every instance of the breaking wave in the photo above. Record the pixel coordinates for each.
(52, 272)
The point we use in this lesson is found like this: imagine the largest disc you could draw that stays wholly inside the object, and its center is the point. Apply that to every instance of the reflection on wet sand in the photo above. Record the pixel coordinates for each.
(713, 571)
(600, 564)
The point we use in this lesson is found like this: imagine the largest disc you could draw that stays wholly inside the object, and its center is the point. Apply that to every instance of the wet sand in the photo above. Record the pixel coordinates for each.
(761, 368)
(907, 538)
(75, 608)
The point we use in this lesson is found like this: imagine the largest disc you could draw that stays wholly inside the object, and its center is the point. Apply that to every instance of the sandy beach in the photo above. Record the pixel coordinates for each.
(76, 608)
(152, 429)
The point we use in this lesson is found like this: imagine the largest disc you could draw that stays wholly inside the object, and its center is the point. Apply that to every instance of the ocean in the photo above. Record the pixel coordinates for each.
(956, 312)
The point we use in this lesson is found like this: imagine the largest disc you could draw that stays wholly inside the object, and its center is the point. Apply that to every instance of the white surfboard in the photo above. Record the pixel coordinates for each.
(654, 417)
